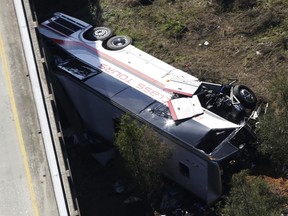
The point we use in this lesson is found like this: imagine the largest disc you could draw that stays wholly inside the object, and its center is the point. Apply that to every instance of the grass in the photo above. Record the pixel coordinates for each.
(239, 47)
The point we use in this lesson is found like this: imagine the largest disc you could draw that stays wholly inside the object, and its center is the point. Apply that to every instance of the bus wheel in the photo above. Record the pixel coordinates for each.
(245, 95)
(118, 42)
(100, 33)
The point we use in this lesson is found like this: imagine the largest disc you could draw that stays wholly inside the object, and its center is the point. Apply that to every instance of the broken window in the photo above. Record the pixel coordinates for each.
(161, 110)
(213, 139)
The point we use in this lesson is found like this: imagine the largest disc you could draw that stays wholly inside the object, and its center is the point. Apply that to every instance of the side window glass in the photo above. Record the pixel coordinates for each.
(184, 170)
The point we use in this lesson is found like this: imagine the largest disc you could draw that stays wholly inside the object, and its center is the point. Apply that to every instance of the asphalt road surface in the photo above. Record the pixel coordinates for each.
(25, 181)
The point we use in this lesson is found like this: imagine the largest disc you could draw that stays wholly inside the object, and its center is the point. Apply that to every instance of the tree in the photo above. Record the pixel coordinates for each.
(273, 126)
(143, 152)
(251, 196)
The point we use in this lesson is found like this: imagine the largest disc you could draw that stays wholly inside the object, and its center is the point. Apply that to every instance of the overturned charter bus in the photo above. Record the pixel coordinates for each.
(104, 75)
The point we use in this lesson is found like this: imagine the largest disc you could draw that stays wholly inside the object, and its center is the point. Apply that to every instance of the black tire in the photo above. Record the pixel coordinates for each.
(100, 33)
(118, 42)
(245, 95)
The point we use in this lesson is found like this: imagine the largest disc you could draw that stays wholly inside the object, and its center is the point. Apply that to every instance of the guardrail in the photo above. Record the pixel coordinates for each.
(46, 108)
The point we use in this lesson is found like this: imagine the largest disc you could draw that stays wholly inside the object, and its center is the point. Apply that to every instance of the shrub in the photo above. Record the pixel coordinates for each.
(273, 127)
(252, 196)
(143, 152)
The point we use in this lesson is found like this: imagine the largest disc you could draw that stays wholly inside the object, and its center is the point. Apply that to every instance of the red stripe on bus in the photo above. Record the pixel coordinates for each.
(112, 61)
(172, 111)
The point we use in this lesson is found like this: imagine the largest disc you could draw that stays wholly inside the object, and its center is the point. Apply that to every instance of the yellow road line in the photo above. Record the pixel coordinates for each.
(18, 128)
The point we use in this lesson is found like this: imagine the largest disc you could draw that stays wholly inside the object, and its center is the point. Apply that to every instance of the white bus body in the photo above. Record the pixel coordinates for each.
(204, 123)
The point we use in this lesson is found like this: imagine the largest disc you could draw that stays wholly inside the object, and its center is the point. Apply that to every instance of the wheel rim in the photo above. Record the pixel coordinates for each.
(100, 33)
(247, 95)
(119, 42)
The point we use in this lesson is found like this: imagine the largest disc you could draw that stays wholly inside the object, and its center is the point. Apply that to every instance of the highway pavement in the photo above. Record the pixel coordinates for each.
(25, 181)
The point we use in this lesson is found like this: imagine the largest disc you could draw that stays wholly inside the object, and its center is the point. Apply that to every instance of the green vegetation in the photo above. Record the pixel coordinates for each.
(247, 38)
(248, 41)
(251, 196)
(273, 128)
(143, 152)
